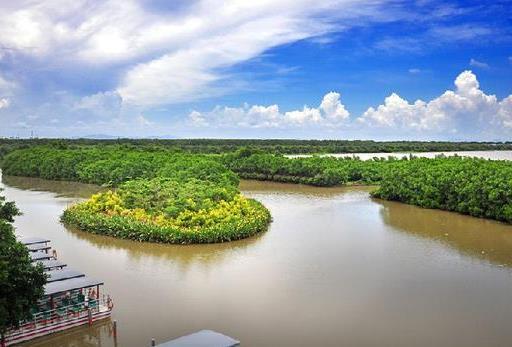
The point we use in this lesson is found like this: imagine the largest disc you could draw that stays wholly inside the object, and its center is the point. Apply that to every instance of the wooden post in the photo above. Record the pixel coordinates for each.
(89, 316)
(153, 343)
(115, 329)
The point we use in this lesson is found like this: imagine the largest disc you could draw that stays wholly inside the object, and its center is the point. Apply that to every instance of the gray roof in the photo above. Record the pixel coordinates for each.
(38, 247)
(203, 338)
(70, 284)
(60, 275)
(33, 240)
(39, 256)
(51, 264)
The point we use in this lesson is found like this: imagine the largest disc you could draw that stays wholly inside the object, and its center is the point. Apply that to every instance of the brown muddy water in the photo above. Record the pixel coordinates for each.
(336, 268)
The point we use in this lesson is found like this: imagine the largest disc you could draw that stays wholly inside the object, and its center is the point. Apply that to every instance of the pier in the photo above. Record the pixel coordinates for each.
(70, 297)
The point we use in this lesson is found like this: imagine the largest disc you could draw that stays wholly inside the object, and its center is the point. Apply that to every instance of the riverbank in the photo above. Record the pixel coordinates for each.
(334, 261)
(200, 197)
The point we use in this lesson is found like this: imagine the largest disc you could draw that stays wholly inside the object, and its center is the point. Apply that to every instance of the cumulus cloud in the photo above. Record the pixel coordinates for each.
(330, 113)
(466, 111)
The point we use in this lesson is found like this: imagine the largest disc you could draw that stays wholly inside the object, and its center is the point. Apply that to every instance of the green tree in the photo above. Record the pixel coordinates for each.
(21, 283)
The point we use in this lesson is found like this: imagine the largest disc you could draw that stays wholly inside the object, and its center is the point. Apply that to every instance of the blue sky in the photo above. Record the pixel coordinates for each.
(375, 69)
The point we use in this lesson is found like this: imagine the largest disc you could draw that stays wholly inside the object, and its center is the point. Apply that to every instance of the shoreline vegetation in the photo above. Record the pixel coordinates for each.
(158, 196)
(274, 146)
(166, 196)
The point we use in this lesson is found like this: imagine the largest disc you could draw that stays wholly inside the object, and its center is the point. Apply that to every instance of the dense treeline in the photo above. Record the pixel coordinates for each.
(478, 187)
(471, 186)
(268, 146)
(318, 171)
(112, 165)
(161, 196)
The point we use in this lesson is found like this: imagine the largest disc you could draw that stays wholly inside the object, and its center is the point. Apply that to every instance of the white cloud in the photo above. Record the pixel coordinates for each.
(143, 121)
(4, 103)
(330, 113)
(461, 32)
(480, 64)
(171, 56)
(103, 104)
(332, 107)
(467, 111)
(414, 71)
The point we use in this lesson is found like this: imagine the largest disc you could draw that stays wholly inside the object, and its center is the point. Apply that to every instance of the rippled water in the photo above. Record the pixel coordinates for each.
(336, 268)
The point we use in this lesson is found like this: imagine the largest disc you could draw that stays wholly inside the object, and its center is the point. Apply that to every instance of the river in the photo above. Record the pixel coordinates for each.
(336, 268)
(494, 155)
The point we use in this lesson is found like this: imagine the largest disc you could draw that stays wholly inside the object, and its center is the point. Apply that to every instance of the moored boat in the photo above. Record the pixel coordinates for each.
(70, 299)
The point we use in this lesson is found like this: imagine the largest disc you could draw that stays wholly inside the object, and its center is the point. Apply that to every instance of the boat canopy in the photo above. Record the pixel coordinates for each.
(39, 256)
(38, 247)
(51, 264)
(33, 240)
(70, 284)
(61, 275)
(203, 338)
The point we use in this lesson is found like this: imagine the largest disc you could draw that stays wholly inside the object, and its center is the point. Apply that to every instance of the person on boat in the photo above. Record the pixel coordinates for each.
(92, 299)
(110, 303)
(54, 254)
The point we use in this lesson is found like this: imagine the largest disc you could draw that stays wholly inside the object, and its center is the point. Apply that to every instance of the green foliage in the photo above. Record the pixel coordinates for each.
(237, 219)
(477, 187)
(318, 171)
(172, 196)
(179, 197)
(8, 210)
(219, 146)
(21, 283)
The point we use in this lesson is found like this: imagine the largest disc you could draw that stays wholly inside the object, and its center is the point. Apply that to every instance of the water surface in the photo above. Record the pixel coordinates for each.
(336, 268)
(494, 155)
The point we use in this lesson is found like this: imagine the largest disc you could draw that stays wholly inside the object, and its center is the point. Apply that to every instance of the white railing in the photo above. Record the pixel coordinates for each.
(62, 314)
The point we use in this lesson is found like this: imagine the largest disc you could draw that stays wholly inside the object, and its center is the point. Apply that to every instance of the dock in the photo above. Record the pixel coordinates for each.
(203, 338)
(70, 299)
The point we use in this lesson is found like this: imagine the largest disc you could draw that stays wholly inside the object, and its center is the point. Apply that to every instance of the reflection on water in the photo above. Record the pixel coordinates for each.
(99, 334)
(183, 256)
(335, 268)
(60, 188)
(475, 237)
(275, 188)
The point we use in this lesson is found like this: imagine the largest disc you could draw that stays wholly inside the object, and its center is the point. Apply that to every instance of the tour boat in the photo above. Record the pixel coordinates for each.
(70, 298)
